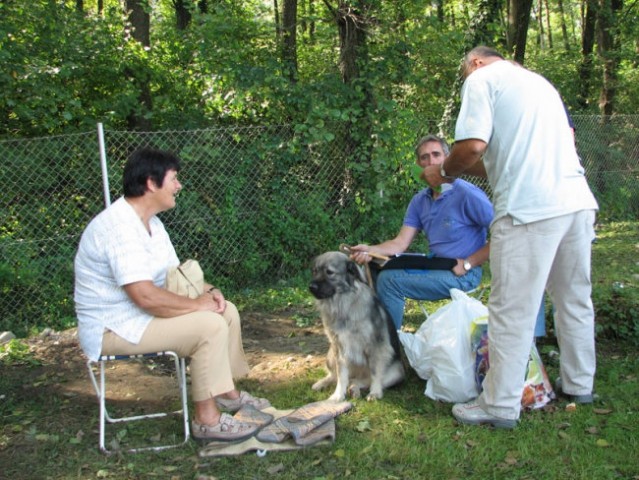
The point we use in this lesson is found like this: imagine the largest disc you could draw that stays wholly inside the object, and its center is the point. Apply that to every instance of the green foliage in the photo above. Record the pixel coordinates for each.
(615, 281)
(66, 69)
(69, 70)
(276, 300)
(16, 352)
(44, 210)
(607, 148)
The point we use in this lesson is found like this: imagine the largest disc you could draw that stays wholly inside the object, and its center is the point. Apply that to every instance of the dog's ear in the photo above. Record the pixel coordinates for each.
(355, 272)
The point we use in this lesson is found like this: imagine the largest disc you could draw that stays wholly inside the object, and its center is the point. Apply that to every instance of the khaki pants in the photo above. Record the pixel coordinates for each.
(213, 343)
(552, 254)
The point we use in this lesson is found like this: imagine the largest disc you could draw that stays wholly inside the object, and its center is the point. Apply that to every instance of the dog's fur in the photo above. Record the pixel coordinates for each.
(364, 346)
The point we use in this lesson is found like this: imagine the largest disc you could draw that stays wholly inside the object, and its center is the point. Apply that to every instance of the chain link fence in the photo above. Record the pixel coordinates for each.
(257, 204)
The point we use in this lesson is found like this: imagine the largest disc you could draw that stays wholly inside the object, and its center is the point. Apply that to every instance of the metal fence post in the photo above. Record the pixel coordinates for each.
(103, 164)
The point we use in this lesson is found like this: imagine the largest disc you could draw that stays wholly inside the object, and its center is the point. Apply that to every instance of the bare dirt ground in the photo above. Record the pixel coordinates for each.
(276, 349)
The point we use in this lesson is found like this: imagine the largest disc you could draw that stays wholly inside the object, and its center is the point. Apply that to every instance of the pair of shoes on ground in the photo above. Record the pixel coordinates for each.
(581, 399)
(245, 398)
(472, 414)
(228, 429)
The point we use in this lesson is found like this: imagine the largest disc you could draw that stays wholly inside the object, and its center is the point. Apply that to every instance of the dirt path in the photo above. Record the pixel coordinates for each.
(276, 349)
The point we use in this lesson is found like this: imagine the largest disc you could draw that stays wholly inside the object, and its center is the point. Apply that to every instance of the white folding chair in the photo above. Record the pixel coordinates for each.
(100, 389)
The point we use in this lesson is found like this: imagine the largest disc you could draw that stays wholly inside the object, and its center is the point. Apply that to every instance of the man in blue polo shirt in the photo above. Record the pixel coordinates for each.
(455, 222)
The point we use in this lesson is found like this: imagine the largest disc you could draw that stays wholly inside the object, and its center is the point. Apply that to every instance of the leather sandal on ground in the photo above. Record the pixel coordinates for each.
(229, 429)
(245, 398)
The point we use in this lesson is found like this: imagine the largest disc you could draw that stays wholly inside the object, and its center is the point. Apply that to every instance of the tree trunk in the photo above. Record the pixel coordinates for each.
(587, 47)
(307, 24)
(609, 46)
(548, 29)
(518, 21)
(140, 23)
(289, 39)
(351, 19)
(79, 6)
(564, 30)
(303, 10)
(352, 39)
(540, 21)
(439, 4)
(182, 14)
(278, 23)
(311, 11)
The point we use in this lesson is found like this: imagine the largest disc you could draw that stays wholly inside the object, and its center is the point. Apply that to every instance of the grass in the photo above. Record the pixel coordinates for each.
(404, 436)
(47, 434)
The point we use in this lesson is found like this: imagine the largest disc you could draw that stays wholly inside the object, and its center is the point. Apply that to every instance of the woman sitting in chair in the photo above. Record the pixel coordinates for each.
(123, 307)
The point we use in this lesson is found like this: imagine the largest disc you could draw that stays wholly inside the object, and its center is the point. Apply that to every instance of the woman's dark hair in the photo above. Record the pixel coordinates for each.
(147, 163)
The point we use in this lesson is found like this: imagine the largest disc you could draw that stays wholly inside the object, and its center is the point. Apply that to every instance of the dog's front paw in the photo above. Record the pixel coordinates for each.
(373, 396)
(322, 384)
(337, 397)
(354, 391)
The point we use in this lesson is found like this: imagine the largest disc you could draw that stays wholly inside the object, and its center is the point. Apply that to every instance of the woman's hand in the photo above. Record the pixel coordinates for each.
(212, 300)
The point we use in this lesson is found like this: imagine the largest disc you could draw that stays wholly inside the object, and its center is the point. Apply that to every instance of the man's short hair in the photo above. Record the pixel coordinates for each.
(147, 163)
(432, 138)
(483, 51)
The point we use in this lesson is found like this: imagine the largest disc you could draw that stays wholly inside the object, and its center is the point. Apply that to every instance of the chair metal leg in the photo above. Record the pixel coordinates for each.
(105, 417)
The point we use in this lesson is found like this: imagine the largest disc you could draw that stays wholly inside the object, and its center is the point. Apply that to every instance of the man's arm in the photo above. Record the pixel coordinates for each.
(399, 244)
(476, 170)
(464, 157)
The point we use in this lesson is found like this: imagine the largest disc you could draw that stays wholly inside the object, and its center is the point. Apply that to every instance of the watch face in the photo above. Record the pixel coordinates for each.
(467, 266)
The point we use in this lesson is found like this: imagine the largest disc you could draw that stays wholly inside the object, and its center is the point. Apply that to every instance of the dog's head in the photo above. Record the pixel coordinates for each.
(333, 273)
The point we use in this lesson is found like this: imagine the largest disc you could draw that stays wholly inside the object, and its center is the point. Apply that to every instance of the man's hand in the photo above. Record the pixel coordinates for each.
(359, 253)
(433, 176)
(459, 269)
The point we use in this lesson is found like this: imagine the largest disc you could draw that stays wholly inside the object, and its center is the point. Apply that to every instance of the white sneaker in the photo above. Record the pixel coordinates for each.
(472, 414)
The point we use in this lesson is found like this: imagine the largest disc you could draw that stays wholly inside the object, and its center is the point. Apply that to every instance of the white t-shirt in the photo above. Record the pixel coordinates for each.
(531, 160)
(115, 250)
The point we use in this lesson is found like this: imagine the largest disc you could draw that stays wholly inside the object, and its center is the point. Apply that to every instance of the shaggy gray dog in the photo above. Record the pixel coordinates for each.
(364, 346)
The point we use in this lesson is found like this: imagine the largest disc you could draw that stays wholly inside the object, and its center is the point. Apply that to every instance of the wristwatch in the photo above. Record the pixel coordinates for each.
(442, 172)
(467, 265)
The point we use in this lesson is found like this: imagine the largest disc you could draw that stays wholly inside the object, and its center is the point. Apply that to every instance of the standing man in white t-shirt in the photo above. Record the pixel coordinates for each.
(512, 128)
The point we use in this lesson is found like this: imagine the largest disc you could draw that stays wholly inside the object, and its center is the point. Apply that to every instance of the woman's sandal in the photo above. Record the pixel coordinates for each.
(245, 398)
(229, 429)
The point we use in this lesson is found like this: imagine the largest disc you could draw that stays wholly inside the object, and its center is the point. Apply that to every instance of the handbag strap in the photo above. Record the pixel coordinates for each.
(187, 278)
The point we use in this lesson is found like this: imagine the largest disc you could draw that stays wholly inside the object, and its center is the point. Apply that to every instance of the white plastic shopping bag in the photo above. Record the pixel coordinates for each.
(440, 350)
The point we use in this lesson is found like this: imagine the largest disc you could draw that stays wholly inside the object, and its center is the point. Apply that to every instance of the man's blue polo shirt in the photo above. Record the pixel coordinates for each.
(456, 223)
